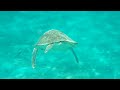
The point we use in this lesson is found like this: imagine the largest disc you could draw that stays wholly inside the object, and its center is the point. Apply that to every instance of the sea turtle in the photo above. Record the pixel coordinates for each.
(54, 39)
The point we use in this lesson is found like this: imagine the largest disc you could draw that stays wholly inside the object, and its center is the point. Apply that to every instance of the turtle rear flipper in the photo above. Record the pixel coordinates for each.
(48, 48)
(35, 50)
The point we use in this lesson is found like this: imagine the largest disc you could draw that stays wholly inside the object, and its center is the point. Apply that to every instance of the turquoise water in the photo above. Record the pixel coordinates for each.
(98, 49)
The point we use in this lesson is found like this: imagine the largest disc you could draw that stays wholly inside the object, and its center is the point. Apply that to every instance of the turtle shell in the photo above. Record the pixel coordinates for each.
(53, 36)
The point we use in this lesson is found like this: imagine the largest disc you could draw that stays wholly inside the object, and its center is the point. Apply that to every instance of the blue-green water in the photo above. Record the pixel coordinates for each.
(98, 49)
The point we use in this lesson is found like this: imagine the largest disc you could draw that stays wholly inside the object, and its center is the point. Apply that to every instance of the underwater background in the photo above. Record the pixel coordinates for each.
(98, 48)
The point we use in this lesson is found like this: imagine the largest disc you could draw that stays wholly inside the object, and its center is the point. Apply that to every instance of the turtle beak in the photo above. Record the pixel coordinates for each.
(75, 42)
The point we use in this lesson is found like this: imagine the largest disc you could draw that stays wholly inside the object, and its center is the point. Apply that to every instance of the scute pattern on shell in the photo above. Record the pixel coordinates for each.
(53, 36)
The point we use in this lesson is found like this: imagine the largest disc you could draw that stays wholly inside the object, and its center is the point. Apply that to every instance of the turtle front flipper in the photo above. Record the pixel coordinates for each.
(35, 50)
(48, 48)
(76, 58)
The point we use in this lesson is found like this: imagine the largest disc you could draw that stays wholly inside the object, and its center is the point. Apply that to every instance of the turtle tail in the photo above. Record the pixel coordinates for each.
(35, 50)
